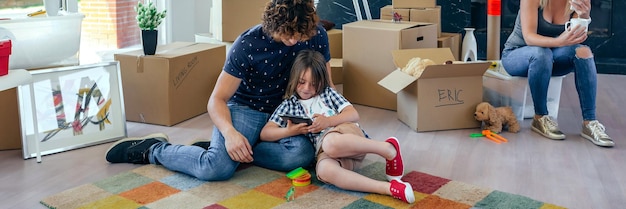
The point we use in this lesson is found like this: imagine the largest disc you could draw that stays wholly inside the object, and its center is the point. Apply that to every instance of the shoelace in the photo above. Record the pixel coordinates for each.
(137, 157)
(597, 129)
(549, 123)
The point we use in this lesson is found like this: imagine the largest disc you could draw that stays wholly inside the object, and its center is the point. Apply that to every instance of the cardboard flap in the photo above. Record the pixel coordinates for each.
(455, 70)
(396, 81)
(439, 55)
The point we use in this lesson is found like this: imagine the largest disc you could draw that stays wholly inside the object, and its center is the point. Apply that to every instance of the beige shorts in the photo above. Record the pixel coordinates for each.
(348, 163)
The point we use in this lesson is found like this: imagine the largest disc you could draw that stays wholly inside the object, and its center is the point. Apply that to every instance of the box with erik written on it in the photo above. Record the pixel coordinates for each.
(443, 97)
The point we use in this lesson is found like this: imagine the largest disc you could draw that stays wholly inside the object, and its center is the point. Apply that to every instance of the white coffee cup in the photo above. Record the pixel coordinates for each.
(572, 23)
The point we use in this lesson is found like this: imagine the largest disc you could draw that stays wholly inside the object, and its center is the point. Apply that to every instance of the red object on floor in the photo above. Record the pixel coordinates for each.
(5, 51)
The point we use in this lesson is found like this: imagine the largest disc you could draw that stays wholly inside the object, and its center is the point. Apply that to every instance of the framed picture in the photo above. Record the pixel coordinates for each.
(71, 107)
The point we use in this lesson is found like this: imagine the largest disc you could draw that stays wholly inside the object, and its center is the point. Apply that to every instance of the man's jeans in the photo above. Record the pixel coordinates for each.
(539, 63)
(215, 164)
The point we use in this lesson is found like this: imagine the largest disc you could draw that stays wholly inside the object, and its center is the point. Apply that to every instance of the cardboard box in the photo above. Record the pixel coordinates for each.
(505, 90)
(386, 13)
(233, 17)
(336, 70)
(413, 3)
(335, 43)
(429, 15)
(171, 86)
(443, 97)
(367, 47)
(451, 41)
(10, 129)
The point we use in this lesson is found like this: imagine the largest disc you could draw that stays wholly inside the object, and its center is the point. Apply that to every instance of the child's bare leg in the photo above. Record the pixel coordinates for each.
(338, 145)
(330, 171)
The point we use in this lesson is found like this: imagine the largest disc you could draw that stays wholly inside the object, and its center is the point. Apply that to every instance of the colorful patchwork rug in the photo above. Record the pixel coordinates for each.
(153, 186)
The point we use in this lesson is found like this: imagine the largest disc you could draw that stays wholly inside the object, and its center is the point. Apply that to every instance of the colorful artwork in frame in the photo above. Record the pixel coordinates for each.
(71, 107)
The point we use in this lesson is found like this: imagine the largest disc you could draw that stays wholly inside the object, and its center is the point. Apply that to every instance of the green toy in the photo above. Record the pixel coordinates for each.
(296, 173)
(291, 194)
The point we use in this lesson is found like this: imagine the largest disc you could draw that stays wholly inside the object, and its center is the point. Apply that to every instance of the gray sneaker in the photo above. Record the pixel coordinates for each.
(548, 128)
(594, 132)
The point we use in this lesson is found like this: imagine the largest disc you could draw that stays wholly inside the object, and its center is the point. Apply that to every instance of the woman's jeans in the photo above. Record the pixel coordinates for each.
(215, 164)
(540, 63)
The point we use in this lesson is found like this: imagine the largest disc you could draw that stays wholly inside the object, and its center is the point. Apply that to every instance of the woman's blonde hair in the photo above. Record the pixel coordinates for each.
(568, 11)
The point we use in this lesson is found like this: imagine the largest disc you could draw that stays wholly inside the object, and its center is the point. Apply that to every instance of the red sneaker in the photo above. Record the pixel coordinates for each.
(395, 167)
(402, 191)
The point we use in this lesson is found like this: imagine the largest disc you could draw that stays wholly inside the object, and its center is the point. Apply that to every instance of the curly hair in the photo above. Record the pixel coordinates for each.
(292, 18)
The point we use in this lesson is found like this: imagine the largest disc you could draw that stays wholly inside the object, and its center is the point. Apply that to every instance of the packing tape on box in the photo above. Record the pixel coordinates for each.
(140, 64)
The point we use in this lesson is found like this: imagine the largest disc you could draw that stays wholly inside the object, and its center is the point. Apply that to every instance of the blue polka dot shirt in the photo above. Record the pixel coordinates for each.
(264, 65)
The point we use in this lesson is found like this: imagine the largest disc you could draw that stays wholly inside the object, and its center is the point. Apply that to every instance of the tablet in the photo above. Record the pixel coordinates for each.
(297, 119)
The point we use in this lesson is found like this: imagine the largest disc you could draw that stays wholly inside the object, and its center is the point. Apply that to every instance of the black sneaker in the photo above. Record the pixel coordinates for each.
(204, 143)
(134, 149)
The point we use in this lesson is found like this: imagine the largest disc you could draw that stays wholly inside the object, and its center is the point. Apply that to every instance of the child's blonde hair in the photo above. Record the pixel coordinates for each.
(308, 59)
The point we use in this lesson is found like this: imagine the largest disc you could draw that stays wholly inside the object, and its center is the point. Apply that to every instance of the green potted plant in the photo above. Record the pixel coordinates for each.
(148, 19)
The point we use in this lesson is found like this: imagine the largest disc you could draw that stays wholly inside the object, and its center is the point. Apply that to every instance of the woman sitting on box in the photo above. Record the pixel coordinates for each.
(539, 47)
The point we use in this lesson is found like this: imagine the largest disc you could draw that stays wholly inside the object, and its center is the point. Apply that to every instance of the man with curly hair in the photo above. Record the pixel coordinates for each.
(249, 88)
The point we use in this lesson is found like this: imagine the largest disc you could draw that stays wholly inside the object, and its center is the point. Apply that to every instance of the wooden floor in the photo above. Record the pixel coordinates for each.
(573, 173)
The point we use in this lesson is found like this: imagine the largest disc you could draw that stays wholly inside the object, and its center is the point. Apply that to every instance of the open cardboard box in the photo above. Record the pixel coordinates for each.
(443, 97)
(367, 59)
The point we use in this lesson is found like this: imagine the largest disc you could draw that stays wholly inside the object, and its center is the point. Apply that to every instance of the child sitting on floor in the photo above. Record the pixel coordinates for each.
(341, 145)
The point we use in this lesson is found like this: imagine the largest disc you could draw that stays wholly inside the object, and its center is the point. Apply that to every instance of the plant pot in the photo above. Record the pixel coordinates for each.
(149, 41)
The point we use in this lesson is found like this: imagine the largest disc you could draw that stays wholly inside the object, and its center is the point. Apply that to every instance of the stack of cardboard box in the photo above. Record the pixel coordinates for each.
(335, 45)
(445, 95)
(367, 47)
(423, 11)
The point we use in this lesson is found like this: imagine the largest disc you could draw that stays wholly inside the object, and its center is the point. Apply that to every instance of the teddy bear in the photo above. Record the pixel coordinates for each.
(495, 118)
